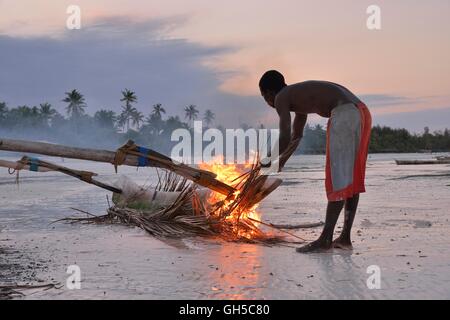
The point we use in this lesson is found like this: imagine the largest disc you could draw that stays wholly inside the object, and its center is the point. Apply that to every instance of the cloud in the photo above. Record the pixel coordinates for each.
(102, 59)
(384, 100)
(436, 119)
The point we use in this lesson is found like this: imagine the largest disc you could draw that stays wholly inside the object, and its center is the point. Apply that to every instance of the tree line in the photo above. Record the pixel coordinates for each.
(384, 139)
(107, 128)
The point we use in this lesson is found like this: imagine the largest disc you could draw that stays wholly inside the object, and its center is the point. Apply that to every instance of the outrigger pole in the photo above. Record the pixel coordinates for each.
(129, 154)
(34, 164)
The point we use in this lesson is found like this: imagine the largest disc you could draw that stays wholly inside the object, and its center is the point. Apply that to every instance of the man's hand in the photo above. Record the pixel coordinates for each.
(283, 158)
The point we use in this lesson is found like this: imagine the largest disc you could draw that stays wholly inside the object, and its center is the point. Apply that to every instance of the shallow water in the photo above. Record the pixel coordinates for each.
(402, 226)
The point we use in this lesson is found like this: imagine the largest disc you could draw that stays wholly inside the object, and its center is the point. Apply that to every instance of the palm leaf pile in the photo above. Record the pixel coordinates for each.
(189, 216)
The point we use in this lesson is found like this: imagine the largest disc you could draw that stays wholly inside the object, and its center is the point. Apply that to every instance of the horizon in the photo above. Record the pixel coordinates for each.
(183, 118)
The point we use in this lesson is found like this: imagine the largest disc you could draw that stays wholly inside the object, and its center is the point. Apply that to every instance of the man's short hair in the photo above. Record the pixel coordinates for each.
(272, 81)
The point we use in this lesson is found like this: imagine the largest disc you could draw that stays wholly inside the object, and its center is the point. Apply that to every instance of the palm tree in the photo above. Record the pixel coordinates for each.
(174, 122)
(137, 117)
(126, 115)
(129, 97)
(46, 112)
(27, 116)
(24, 111)
(158, 110)
(76, 102)
(122, 120)
(3, 111)
(154, 124)
(105, 118)
(209, 117)
(191, 112)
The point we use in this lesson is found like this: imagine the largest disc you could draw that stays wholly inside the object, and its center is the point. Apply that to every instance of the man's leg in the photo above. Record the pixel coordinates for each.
(326, 238)
(344, 241)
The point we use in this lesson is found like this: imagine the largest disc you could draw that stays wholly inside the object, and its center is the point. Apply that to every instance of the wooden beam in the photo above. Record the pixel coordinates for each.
(201, 177)
(16, 166)
(56, 150)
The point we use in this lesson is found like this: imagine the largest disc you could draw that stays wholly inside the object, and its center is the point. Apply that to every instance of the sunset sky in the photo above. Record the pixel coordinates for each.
(212, 54)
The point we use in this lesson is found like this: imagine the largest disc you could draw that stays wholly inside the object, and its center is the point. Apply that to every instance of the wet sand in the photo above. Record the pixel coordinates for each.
(402, 226)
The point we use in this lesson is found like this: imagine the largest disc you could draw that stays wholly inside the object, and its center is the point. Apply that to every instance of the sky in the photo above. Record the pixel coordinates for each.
(212, 54)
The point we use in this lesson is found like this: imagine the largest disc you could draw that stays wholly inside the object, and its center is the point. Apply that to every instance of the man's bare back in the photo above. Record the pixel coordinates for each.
(315, 97)
(303, 98)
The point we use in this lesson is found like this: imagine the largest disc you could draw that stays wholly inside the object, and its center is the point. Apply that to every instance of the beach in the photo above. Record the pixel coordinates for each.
(402, 226)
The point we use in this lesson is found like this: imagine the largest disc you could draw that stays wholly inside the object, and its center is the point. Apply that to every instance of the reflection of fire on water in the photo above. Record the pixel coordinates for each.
(241, 215)
(239, 275)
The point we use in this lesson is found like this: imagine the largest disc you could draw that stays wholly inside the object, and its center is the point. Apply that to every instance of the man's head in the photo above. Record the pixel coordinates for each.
(270, 84)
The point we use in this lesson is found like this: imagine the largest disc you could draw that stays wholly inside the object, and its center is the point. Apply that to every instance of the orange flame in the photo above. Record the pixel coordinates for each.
(229, 174)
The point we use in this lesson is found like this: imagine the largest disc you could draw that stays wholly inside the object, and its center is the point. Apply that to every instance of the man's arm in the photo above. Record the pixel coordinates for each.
(299, 126)
(297, 135)
(285, 125)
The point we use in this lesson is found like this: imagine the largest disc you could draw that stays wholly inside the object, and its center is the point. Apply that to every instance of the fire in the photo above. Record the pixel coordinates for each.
(229, 174)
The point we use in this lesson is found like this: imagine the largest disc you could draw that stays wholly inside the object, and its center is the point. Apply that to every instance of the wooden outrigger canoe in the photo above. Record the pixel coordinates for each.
(421, 162)
(132, 155)
(129, 155)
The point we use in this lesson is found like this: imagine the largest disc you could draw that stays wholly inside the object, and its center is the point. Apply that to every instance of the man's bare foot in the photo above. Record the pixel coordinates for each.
(341, 243)
(315, 246)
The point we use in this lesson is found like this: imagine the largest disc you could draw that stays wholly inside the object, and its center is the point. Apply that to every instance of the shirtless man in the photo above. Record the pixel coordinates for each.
(348, 135)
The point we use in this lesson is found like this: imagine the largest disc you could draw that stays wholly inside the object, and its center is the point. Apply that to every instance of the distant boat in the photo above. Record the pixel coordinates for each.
(418, 162)
(443, 158)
